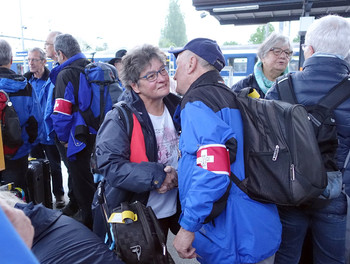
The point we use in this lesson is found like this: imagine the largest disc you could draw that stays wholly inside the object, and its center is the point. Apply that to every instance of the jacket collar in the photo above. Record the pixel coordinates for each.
(55, 71)
(327, 63)
(208, 78)
(45, 76)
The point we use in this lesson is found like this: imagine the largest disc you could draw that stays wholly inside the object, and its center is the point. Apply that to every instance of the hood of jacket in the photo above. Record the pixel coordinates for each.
(11, 82)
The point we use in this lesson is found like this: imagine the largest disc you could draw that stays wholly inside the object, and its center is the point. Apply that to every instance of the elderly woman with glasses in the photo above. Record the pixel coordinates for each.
(274, 55)
(141, 164)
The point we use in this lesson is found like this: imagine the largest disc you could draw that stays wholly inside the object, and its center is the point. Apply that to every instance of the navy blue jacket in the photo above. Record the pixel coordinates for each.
(61, 239)
(249, 81)
(319, 76)
(125, 180)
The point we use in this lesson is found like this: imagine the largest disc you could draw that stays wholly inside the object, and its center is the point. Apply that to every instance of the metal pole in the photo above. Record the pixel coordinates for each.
(22, 37)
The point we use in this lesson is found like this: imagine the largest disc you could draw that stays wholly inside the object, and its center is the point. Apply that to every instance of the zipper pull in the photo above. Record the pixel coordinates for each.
(292, 172)
(275, 153)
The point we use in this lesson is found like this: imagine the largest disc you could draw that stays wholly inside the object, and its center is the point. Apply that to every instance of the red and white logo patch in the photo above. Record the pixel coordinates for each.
(214, 158)
(63, 106)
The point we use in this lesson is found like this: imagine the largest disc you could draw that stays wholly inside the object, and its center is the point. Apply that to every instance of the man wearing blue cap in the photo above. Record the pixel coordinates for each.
(219, 222)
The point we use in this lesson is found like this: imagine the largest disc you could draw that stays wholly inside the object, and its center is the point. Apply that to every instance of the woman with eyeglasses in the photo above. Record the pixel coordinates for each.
(141, 164)
(274, 55)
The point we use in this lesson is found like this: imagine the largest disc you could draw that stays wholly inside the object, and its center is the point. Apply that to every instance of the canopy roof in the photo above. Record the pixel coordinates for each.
(248, 12)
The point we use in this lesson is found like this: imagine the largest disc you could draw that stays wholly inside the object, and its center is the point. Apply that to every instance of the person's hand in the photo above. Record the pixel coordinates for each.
(20, 222)
(183, 244)
(170, 180)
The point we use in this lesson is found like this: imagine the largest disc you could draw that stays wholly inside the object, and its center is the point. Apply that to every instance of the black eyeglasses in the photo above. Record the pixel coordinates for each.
(278, 52)
(152, 76)
(34, 60)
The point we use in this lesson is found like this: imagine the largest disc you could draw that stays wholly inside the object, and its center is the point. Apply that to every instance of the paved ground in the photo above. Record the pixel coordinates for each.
(171, 249)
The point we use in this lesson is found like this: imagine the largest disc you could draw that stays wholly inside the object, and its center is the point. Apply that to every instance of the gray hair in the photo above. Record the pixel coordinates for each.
(202, 62)
(136, 60)
(273, 41)
(329, 34)
(42, 53)
(5, 52)
(10, 198)
(67, 44)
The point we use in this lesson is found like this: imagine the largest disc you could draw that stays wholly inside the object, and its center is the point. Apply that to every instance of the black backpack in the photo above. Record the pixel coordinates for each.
(134, 232)
(10, 126)
(323, 121)
(283, 164)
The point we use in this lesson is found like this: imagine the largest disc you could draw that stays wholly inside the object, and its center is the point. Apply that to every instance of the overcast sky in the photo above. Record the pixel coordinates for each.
(119, 23)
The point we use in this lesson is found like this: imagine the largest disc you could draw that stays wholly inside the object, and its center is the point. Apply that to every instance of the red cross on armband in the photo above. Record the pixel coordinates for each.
(214, 158)
(63, 106)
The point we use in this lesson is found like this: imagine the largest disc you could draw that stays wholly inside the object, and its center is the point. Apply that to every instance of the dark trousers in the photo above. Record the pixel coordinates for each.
(83, 182)
(15, 171)
(50, 152)
(63, 153)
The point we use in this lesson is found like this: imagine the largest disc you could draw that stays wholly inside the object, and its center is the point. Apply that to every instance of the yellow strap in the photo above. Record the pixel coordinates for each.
(121, 216)
(254, 94)
(130, 215)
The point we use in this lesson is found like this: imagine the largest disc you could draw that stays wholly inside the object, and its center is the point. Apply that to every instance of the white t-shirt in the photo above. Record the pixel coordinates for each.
(164, 205)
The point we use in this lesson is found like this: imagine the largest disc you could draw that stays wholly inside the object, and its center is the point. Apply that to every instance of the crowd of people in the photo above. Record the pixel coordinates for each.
(163, 161)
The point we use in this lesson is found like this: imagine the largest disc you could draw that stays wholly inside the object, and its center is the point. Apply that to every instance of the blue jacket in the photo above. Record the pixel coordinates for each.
(66, 81)
(246, 231)
(27, 108)
(41, 87)
(320, 74)
(125, 180)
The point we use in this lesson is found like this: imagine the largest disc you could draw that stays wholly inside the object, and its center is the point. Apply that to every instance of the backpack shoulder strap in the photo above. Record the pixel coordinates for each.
(285, 89)
(337, 95)
(126, 116)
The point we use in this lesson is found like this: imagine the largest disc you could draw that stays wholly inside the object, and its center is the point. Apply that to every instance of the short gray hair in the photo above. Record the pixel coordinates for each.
(136, 60)
(202, 62)
(42, 53)
(329, 34)
(5, 52)
(67, 44)
(10, 198)
(275, 39)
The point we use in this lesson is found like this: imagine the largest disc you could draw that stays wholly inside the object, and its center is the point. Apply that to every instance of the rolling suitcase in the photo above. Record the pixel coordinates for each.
(38, 182)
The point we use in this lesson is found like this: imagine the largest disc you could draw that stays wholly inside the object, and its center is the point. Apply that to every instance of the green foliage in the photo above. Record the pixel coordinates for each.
(230, 43)
(296, 39)
(259, 36)
(174, 31)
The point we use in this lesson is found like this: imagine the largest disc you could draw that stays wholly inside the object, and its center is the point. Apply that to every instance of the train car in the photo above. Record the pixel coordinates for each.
(240, 61)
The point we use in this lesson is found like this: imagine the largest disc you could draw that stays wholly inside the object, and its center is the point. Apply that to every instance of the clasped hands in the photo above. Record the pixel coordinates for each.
(170, 180)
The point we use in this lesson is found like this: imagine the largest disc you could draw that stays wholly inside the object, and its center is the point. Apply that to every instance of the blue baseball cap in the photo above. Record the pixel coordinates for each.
(205, 48)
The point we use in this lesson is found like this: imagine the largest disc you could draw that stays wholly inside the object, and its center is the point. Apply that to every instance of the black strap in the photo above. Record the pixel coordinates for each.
(336, 96)
(125, 114)
(285, 89)
(102, 104)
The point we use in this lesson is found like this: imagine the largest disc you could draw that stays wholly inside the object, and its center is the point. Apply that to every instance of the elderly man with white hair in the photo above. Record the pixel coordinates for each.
(327, 44)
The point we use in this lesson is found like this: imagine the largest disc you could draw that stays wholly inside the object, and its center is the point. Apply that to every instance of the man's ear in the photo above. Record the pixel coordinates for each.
(192, 64)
